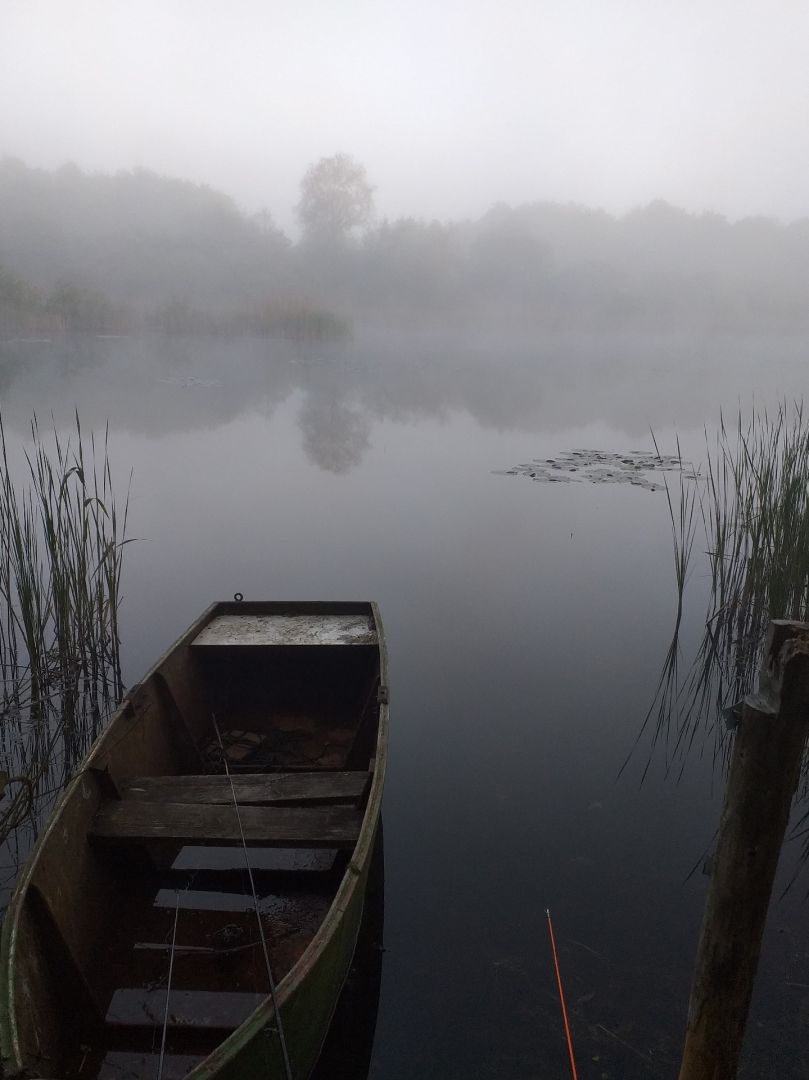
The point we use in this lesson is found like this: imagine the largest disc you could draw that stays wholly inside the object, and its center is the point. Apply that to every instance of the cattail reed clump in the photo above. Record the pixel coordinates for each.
(747, 509)
(62, 536)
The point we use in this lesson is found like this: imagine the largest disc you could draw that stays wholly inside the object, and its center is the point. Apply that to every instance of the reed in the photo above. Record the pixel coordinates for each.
(62, 537)
(749, 503)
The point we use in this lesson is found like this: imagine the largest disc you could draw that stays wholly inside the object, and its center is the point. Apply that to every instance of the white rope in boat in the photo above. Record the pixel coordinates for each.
(278, 1022)
(168, 991)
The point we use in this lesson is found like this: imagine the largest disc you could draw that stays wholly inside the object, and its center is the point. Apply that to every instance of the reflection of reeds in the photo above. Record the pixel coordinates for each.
(61, 543)
(753, 500)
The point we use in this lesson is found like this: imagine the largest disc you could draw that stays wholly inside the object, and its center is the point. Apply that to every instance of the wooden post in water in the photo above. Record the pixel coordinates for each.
(764, 772)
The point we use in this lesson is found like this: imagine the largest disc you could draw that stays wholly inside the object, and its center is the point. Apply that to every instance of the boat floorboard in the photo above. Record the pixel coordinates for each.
(293, 862)
(131, 1065)
(217, 948)
(220, 1010)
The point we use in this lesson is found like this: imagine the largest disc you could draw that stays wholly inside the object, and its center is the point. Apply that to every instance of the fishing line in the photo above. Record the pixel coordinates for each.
(562, 997)
(278, 1023)
(168, 991)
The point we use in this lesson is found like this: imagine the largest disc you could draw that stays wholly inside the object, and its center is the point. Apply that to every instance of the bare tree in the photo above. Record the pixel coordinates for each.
(336, 198)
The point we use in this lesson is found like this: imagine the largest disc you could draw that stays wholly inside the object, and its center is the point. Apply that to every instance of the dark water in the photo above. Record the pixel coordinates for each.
(526, 625)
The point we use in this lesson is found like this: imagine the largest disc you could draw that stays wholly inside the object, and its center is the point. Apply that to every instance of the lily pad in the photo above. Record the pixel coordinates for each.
(600, 467)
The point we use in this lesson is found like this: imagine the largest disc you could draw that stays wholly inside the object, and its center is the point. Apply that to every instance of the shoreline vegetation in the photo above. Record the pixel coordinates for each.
(62, 538)
(134, 251)
(26, 311)
(741, 520)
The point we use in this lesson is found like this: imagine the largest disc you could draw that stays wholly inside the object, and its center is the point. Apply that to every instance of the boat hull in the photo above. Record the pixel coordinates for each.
(306, 1007)
(66, 891)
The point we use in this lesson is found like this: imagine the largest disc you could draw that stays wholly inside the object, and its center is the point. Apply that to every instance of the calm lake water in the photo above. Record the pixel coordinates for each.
(526, 623)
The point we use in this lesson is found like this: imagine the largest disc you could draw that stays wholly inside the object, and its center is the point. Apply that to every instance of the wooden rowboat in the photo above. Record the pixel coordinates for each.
(204, 872)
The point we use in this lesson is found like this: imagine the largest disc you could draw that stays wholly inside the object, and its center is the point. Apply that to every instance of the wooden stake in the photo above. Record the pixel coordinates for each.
(764, 773)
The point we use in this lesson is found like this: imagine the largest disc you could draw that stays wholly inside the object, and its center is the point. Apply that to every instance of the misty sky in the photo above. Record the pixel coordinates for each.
(451, 105)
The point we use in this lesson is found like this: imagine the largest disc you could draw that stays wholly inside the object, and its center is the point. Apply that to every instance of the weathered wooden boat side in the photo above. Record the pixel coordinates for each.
(306, 998)
(90, 858)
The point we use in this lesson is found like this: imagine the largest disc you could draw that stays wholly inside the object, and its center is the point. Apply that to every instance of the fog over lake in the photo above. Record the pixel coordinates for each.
(452, 107)
(527, 625)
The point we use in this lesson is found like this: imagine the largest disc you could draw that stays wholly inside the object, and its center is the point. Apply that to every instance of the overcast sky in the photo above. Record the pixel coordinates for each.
(451, 105)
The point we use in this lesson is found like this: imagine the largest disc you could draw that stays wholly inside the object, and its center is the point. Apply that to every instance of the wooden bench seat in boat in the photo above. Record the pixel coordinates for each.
(138, 1007)
(258, 789)
(188, 823)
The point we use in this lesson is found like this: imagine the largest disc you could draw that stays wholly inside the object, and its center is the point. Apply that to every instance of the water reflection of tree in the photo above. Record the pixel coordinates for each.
(335, 433)
(155, 386)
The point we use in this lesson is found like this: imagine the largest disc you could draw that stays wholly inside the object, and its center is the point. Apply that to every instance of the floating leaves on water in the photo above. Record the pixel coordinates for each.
(598, 467)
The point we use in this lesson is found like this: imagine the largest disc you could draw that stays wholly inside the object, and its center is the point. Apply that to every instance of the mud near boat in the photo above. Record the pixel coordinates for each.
(600, 467)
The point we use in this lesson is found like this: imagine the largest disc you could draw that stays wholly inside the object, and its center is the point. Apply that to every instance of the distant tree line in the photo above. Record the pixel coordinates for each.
(81, 252)
(64, 308)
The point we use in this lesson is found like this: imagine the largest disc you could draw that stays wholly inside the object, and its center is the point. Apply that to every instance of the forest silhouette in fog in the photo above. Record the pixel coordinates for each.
(133, 251)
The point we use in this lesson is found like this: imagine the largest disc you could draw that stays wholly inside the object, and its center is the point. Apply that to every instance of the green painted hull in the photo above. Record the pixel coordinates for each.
(254, 1049)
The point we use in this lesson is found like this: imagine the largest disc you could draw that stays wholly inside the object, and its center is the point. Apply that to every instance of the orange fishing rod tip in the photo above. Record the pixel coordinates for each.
(562, 997)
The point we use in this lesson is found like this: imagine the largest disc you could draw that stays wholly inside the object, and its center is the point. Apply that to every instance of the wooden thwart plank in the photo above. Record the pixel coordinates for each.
(257, 789)
(187, 1008)
(188, 823)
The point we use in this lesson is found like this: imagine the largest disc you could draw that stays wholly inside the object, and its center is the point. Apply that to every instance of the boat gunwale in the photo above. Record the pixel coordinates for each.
(10, 1055)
